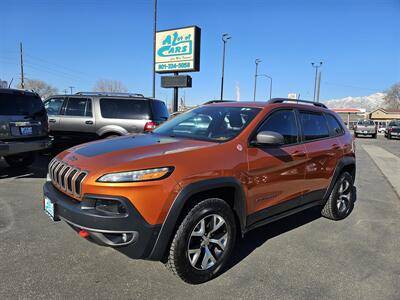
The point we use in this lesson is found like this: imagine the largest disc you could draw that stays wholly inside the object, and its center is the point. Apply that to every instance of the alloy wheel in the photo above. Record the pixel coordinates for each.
(344, 196)
(207, 242)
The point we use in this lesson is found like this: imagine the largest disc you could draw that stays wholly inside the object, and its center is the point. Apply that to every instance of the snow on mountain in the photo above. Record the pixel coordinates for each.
(369, 103)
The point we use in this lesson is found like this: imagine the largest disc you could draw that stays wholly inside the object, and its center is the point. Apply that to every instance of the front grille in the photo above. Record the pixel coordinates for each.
(66, 177)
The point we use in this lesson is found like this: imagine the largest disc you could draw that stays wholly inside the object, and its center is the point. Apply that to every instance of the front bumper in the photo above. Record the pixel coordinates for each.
(21, 146)
(365, 132)
(127, 232)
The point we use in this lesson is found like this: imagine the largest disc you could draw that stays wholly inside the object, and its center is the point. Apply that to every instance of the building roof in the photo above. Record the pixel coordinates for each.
(348, 110)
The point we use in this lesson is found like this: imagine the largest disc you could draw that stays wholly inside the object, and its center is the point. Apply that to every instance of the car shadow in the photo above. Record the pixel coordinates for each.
(37, 170)
(257, 237)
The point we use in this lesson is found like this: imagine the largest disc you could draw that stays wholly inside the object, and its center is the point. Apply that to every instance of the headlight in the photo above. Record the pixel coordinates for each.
(139, 175)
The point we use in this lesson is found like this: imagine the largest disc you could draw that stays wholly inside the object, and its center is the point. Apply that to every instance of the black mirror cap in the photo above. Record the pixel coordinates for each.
(271, 138)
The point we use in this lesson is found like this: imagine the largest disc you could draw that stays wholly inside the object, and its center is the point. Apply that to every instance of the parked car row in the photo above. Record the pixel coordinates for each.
(393, 130)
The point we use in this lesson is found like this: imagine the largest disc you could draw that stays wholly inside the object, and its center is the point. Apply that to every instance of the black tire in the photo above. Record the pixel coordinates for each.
(110, 136)
(332, 209)
(356, 135)
(20, 160)
(374, 136)
(179, 262)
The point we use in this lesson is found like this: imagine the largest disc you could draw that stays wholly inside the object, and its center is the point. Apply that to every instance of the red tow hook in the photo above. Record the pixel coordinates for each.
(84, 233)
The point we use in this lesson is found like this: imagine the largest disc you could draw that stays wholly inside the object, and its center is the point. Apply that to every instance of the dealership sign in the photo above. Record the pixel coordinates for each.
(178, 50)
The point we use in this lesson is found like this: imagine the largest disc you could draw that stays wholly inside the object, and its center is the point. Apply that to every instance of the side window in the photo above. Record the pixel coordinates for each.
(160, 111)
(283, 122)
(53, 106)
(114, 108)
(334, 125)
(314, 126)
(76, 107)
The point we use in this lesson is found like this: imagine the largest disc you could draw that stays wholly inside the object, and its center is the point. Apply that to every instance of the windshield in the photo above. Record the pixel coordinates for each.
(366, 123)
(394, 123)
(213, 123)
(20, 105)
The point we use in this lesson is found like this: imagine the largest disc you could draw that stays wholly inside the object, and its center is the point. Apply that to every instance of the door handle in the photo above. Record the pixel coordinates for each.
(52, 120)
(89, 122)
(298, 154)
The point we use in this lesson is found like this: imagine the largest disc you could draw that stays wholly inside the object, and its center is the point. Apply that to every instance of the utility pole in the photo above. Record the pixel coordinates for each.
(257, 61)
(225, 38)
(318, 84)
(154, 49)
(65, 91)
(316, 66)
(22, 66)
(71, 88)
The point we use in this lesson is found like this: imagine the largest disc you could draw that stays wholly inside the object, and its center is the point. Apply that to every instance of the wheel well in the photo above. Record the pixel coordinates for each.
(225, 193)
(350, 169)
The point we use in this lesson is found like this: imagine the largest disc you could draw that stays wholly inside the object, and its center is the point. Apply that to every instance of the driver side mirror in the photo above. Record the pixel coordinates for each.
(269, 138)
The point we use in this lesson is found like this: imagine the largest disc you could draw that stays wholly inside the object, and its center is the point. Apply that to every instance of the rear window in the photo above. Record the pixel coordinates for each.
(160, 111)
(20, 104)
(394, 123)
(314, 126)
(124, 109)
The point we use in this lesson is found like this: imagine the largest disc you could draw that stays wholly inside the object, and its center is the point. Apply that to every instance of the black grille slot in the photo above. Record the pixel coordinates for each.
(57, 172)
(78, 182)
(69, 180)
(64, 172)
(54, 167)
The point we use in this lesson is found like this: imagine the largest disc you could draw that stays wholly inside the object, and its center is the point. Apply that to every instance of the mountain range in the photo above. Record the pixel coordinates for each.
(369, 103)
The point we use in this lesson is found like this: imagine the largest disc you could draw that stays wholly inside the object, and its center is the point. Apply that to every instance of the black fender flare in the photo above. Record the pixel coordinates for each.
(167, 229)
(342, 163)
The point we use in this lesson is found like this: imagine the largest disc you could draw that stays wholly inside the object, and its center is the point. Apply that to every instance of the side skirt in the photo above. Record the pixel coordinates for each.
(290, 207)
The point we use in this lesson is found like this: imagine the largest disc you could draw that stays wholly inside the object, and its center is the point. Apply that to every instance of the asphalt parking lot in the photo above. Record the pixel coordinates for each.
(300, 257)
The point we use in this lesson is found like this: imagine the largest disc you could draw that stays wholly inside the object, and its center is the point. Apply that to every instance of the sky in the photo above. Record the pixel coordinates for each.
(77, 42)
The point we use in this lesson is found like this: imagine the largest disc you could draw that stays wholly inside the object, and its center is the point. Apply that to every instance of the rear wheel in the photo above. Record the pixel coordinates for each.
(203, 242)
(341, 201)
(20, 160)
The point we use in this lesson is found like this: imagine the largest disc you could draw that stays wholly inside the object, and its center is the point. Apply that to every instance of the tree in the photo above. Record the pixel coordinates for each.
(107, 85)
(42, 88)
(392, 98)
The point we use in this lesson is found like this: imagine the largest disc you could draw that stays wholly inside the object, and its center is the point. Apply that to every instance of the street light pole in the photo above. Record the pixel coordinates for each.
(225, 38)
(270, 84)
(257, 61)
(154, 49)
(316, 66)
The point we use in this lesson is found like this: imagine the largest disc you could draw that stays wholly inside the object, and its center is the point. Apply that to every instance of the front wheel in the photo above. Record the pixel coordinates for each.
(341, 200)
(203, 242)
(20, 160)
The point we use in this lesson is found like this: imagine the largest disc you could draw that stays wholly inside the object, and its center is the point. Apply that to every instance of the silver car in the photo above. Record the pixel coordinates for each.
(23, 126)
(83, 117)
(365, 127)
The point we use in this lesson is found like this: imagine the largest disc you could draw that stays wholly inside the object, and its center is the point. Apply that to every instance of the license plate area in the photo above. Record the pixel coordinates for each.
(49, 208)
(26, 130)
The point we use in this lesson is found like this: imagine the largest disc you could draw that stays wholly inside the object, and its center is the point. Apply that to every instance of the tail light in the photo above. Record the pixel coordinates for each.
(149, 126)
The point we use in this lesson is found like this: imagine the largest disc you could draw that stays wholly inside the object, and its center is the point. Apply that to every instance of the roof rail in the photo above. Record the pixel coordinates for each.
(109, 94)
(281, 100)
(217, 101)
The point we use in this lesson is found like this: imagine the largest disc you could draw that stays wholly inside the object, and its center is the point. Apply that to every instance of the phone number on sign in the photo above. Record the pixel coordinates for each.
(173, 66)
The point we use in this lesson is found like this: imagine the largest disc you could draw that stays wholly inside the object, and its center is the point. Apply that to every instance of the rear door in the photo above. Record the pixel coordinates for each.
(78, 117)
(276, 173)
(53, 107)
(323, 151)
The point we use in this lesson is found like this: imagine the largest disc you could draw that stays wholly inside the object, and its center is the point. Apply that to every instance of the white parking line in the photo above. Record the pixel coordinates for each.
(388, 163)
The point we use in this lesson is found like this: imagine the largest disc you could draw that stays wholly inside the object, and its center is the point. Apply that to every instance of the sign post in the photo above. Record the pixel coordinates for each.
(177, 50)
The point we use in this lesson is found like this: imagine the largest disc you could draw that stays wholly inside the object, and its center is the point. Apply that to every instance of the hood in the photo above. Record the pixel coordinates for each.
(126, 150)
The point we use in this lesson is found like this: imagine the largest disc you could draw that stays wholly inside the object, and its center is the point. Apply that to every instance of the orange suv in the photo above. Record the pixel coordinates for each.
(182, 193)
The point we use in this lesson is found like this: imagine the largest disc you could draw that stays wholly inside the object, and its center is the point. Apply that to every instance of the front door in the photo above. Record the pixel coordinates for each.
(53, 107)
(276, 174)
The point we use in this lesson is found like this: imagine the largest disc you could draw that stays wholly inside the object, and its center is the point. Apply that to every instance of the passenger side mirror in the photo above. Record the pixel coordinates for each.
(269, 138)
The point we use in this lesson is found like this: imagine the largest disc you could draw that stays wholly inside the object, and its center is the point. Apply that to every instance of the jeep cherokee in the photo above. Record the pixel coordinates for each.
(183, 192)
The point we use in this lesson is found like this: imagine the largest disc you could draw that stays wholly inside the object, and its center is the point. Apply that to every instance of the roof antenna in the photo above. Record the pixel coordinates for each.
(9, 86)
